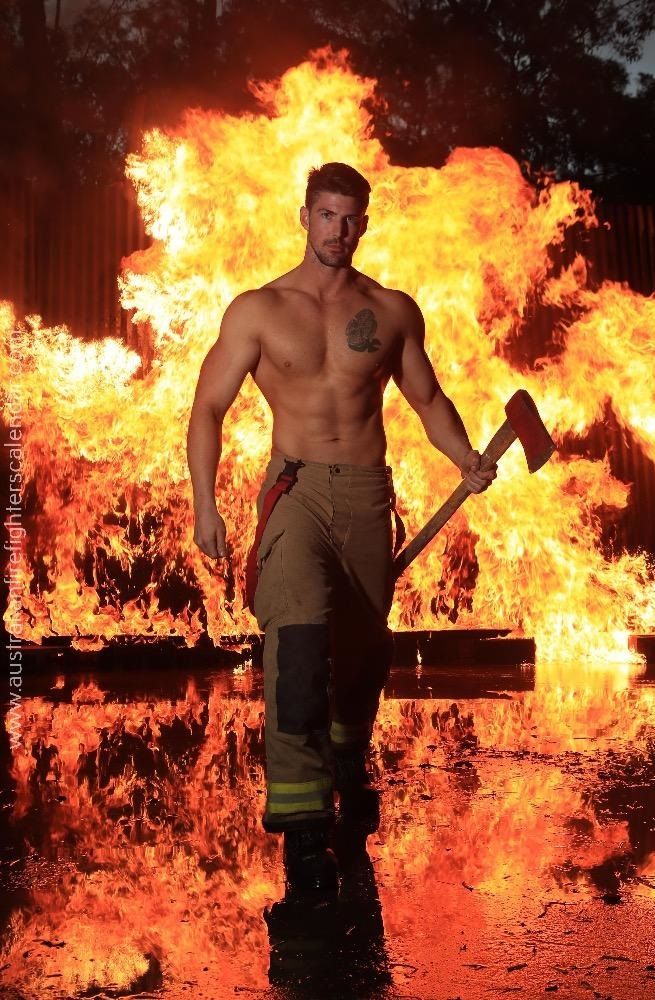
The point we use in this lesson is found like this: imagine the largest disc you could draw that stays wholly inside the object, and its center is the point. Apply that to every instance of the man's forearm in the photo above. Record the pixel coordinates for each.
(445, 429)
(203, 454)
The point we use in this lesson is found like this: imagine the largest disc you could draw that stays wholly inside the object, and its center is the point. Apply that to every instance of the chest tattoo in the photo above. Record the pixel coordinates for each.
(360, 332)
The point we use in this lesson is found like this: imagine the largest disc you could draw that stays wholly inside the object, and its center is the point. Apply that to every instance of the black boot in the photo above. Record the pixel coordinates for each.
(309, 864)
(359, 801)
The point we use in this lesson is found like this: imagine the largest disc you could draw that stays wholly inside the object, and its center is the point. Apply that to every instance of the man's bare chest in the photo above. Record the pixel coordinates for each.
(355, 340)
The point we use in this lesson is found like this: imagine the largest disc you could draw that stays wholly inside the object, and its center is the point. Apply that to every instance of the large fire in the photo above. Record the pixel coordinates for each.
(111, 534)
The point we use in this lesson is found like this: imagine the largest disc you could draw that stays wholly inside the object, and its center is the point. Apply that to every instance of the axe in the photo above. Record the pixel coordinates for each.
(523, 422)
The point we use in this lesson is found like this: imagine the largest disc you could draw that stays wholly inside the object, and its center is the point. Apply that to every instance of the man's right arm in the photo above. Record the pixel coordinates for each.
(228, 361)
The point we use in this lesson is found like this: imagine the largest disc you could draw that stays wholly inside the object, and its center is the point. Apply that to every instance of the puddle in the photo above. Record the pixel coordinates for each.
(515, 852)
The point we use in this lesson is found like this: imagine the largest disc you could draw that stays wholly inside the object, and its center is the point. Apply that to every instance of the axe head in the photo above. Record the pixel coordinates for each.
(528, 426)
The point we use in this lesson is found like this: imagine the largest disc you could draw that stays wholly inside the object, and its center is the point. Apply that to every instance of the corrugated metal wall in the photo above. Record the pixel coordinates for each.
(60, 254)
(625, 251)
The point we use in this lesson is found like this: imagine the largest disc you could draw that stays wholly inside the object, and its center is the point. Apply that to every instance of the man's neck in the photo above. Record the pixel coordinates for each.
(323, 281)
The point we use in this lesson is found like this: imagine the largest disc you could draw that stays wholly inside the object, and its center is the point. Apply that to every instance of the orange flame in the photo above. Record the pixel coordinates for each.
(151, 850)
(470, 241)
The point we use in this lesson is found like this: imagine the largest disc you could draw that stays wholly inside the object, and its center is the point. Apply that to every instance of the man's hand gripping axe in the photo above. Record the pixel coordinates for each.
(523, 422)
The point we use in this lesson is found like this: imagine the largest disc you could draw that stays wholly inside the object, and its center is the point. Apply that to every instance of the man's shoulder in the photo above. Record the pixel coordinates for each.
(252, 298)
(282, 283)
(251, 303)
(267, 295)
(394, 300)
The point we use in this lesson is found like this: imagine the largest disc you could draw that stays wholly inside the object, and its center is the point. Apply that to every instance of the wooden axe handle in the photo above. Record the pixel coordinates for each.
(497, 447)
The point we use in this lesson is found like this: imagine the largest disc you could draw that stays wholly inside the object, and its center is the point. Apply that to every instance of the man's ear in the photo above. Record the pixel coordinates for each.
(304, 217)
(364, 225)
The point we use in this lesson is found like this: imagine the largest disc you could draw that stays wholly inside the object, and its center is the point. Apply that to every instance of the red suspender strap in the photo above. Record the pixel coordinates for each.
(400, 533)
(282, 485)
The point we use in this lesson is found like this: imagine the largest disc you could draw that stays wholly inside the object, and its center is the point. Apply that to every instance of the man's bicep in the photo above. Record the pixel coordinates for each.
(413, 372)
(228, 361)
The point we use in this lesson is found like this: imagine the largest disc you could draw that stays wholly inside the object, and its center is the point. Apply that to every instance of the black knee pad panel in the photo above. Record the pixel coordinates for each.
(384, 655)
(361, 678)
(303, 677)
(378, 659)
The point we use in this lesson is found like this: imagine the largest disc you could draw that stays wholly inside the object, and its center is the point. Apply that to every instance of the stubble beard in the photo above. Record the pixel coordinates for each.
(338, 258)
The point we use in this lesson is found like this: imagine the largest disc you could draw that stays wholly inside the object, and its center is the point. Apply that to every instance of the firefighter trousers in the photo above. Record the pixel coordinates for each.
(323, 594)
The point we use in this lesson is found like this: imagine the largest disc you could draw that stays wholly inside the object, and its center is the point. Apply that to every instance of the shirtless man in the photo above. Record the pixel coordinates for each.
(321, 343)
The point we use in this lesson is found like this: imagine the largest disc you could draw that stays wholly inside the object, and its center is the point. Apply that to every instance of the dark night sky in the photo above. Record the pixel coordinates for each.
(71, 8)
(647, 62)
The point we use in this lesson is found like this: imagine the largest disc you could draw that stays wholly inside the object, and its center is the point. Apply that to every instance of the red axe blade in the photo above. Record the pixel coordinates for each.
(528, 426)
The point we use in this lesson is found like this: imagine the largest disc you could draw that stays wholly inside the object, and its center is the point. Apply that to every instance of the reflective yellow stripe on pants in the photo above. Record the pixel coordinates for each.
(343, 735)
(299, 796)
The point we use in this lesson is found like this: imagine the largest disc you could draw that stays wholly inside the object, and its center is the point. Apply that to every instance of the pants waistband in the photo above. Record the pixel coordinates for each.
(335, 468)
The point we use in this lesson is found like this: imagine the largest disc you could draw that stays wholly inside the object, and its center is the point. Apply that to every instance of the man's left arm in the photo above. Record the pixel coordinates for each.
(415, 377)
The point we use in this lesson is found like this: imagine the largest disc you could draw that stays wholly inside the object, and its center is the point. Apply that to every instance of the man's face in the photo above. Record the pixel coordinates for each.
(334, 225)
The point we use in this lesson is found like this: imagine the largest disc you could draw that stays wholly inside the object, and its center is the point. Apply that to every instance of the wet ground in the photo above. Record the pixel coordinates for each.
(515, 852)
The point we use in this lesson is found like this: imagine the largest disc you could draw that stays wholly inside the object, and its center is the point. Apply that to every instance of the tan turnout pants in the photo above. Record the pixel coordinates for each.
(323, 594)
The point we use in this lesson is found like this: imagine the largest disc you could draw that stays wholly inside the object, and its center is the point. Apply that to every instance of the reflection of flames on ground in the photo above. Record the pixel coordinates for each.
(154, 867)
(110, 548)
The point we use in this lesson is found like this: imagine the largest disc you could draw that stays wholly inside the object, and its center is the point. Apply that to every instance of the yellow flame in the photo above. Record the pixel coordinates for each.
(219, 195)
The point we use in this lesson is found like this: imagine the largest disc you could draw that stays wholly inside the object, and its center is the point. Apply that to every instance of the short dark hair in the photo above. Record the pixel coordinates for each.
(337, 178)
